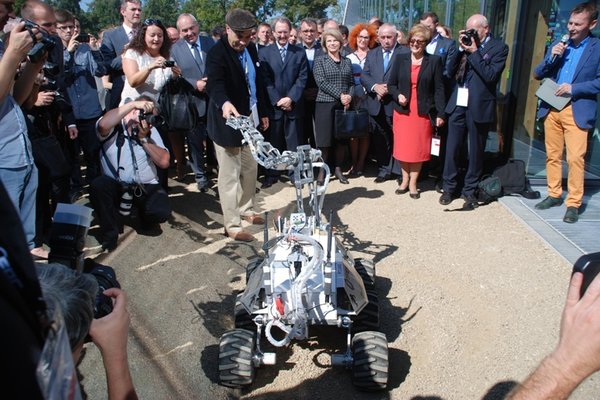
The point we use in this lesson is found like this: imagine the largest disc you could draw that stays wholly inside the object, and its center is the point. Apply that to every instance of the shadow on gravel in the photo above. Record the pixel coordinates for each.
(497, 392)
(194, 205)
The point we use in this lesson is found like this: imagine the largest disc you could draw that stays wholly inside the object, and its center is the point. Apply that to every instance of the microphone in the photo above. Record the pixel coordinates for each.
(563, 40)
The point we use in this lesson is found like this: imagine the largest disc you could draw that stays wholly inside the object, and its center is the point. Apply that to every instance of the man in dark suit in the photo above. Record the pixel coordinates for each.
(374, 78)
(312, 49)
(478, 66)
(114, 41)
(235, 87)
(575, 66)
(286, 72)
(190, 55)
(446, 49)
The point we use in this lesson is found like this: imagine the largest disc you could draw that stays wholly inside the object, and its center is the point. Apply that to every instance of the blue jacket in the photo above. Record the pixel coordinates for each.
(584, 88)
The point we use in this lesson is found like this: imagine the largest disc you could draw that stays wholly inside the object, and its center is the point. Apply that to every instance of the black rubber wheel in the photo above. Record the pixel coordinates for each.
(252, 265)
(243, 320)
(366, 270)
(370, 367)
(235, 358)
(368, 318)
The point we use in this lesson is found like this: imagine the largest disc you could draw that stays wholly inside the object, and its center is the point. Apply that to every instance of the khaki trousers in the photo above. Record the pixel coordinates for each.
(236, 184)
(560, 130)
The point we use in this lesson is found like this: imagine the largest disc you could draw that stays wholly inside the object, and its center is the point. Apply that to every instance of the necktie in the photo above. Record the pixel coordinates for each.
(386, 60)
(197, 54)
(282, 51)
(132, 34)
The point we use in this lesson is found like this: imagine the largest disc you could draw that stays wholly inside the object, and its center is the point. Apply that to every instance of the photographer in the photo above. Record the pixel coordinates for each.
(132, 150)
(74, 295)
(17, 170)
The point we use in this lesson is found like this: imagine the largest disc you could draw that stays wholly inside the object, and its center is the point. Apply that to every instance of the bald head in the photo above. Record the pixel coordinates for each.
(330, 25)
(480, 24)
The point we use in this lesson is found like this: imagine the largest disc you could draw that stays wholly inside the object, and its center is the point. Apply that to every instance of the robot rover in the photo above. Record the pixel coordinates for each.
(306, 278)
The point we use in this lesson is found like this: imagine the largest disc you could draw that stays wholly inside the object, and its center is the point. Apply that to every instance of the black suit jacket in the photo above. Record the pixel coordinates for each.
(227, 82)
(193, 70)
(373, 74)
(486, 66)
(284, 79)
(113, 43)
(430, 85)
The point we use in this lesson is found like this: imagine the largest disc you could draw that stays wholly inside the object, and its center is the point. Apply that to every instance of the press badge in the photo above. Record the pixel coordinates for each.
(435, 145)
(255, 117)
(462, 99)
(56, 372)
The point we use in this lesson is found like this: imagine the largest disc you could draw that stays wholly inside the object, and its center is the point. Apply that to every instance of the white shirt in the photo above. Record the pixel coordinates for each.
(153, 84)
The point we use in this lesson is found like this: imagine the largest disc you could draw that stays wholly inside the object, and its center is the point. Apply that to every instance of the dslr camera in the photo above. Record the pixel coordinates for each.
(40, 47)
(150, 118)
(468, 36)
(83, 37)
(169, 64)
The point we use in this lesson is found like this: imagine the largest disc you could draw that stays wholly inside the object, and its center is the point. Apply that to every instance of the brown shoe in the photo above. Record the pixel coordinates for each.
(254, 219)
(241, 236)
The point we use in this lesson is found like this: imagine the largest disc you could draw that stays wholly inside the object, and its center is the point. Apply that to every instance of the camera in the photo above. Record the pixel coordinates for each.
(150, 118)
(83, 37)
(126, 202)
(468, 36)
(589, 266)
(42, 46)
(51, 69)
(107, 279)
(169, 64)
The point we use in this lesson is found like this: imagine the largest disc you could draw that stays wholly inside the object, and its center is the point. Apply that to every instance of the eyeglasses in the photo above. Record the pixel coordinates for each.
(66, 28)
(364, 37)
(417, 42)
(152, 21)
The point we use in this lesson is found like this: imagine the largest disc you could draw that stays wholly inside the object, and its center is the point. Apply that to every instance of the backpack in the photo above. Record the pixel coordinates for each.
(514, 180)
(177, 103)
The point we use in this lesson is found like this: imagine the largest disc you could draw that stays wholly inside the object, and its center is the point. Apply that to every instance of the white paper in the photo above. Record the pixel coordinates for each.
(547, 92)
(435, 145)
(462, 99)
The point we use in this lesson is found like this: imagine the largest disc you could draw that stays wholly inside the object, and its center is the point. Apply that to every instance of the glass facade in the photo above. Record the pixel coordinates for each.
(528, 28)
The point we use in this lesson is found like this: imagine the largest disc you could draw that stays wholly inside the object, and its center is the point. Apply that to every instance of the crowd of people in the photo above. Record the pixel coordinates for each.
(65, 93)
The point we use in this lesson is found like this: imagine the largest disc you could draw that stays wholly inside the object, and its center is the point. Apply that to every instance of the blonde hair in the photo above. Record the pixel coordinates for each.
(336, 34)
(421, 30)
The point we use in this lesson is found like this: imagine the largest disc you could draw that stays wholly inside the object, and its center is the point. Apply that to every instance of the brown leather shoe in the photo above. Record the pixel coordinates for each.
(254, 219)
(241, 236)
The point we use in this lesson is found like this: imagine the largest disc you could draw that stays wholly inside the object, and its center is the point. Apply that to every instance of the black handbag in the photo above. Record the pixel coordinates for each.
(351, 123)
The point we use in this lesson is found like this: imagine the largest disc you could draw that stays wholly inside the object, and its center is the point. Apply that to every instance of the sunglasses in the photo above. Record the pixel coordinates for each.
(417, 42)
(152, 21)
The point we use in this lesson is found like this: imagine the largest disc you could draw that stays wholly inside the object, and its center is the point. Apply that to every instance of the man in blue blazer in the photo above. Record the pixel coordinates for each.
(575, 66)
(113, 42)
(286, 72)
(477, 66)
(374, 78)
(189, 53)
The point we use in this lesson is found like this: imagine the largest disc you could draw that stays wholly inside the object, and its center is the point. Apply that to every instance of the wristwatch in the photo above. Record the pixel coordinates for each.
(144, 140)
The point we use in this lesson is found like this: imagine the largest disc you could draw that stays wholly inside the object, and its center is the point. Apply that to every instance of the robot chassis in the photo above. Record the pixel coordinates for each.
(306, 278)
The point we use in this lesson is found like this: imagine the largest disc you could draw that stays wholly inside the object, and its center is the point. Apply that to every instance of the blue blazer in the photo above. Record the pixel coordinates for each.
(284, 79)
(113, 43)
(486, 66)
(584, 88)
(373, 73)
(193, 70)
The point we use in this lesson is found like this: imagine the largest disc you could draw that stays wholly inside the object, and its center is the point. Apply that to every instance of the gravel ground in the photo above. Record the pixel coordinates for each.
(469, 301)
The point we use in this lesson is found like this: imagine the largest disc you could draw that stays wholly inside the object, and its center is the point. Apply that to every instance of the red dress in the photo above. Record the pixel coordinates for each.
(412, 132)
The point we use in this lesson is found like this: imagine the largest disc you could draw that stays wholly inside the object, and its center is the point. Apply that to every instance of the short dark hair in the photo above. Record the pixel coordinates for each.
(432, 15)
(63, 16)
(589, 7)
(309, 21)
(282, 20)
(124, 3)
(344, 30)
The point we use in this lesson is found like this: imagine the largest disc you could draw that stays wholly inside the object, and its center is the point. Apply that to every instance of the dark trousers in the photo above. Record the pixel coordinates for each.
(50, 192)
(88, 142)
(195, 140)
(308, 123)
(382, 141)
(105, 194)
(461, 123)
(284, 134)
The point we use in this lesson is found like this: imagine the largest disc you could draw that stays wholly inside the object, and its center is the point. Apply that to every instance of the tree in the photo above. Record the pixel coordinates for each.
(70, 5)
(103, 14)
(296, 10)
(164, 10)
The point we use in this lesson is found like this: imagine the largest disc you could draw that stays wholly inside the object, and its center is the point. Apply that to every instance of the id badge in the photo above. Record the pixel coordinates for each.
(436, 141)
(462, 99)
(255, 117)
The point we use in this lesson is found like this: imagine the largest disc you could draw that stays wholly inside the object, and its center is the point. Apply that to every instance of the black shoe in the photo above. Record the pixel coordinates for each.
(446, 198)
(471, 202)
(572, 215)
(109, 245)
(341, 177)
(415, 195)
(382, 178)
(549, 202)
(268, 182)
(401, 191)
(438, 186)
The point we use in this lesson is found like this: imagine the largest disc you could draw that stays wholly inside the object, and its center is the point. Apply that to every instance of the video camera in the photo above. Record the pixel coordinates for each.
(67, 240)
(40, 47)
(468, 36)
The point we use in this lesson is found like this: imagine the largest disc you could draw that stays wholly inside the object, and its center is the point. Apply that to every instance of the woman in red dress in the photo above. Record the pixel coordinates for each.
(417, 87)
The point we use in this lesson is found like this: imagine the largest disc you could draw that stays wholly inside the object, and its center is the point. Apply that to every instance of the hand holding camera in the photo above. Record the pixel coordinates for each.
(469, 40)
